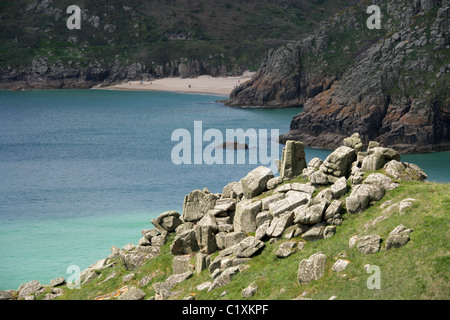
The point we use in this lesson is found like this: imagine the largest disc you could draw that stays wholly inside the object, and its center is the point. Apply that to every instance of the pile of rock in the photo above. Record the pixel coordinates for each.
(34, 289)
(371, 243)
(336, 165)
(292, 160)
(223, 222)
(350, 161)
(212, 222)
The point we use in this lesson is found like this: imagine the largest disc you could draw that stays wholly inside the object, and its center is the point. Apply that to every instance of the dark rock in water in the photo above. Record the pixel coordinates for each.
(233, 145)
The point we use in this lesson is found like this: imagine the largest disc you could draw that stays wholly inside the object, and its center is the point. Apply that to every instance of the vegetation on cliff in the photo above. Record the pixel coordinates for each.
(143, 39)
(417, 271)
(388, 84)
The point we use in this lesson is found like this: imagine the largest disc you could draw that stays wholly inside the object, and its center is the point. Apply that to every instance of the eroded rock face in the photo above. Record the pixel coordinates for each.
(369, 244)
(196, 205)
(29, 288)
(279, 224)
(316, 232)
(292, 160)
(255, 182)
(277, 83)
(413, 119)
(372, 189)
(311, 213)
(404, 171)
(398, 237)
(248, 247)
(340, 265)
(184, 243)
(169, 220)
(288, 203)
(134, 259)
(224, 278)
(354, 142)
(205, 234)
(288, 248)
(132, 294)
(249, 291)
(312, 268)
(339, 188)
(245, 216)
(338, 163)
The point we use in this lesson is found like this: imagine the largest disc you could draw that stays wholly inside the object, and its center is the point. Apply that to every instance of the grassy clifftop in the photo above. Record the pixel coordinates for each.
(418, 270)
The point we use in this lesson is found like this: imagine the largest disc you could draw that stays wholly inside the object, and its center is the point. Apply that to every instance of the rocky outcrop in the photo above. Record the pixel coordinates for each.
(312, 268)
(389, 85)
(292, 160)
(214, 228)
(398, 237)
(249, 291)
(279, 83)
(255, 182)
(404, 171)
(196, 205)
(369, 244)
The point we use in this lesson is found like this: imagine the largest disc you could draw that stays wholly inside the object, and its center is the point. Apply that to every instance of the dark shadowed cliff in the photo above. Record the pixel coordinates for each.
(390, 85)
(119, 41)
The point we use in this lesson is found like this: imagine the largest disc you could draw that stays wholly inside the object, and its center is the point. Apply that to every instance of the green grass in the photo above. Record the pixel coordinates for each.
(418, 270)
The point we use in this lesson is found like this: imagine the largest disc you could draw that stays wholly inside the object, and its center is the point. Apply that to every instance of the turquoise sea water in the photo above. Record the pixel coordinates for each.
(84, 170)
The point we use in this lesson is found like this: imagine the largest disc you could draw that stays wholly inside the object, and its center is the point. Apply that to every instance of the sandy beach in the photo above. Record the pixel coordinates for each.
(202, 84)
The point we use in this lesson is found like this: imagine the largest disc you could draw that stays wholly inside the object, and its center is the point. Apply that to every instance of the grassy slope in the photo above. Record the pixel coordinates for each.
(419, 270)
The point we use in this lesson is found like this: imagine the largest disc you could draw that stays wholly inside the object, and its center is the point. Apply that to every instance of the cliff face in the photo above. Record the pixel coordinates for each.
(139, 40)
(46, 74)
(280, 82)
(390, 85)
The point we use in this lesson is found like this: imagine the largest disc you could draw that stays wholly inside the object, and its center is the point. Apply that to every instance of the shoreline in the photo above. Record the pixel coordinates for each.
(221, 86)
